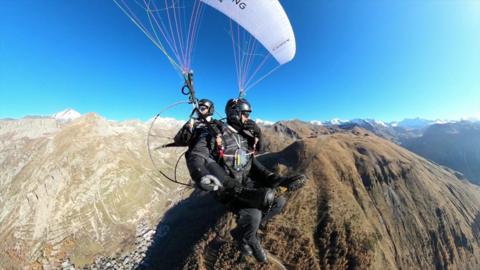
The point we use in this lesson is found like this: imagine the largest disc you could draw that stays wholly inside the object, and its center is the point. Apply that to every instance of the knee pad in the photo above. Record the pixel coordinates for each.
(269, 197)
(280, 201)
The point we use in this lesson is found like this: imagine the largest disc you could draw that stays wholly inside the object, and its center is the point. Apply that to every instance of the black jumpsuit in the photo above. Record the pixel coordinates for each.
(234, 168)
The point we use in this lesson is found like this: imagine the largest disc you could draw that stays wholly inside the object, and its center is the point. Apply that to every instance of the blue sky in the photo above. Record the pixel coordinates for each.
(386, 60)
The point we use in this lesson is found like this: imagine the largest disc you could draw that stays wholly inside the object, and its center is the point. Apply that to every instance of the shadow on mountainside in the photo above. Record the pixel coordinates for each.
(180, 229)
(193, 220)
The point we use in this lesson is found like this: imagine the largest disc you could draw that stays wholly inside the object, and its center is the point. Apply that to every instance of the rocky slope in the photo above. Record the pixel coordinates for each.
(455, 145)
(75, 189)
(370, 204)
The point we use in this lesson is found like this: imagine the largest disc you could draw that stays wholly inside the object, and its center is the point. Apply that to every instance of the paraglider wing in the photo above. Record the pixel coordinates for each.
(265, 20)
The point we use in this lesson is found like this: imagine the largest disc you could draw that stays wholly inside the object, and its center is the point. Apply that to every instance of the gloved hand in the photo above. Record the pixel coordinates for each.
(252, 127)
(294, 182)
(253, 134)
(210, 183)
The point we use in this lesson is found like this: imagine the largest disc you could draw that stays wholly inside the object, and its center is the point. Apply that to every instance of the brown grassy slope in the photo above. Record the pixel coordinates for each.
(370, 204)
(283, 133)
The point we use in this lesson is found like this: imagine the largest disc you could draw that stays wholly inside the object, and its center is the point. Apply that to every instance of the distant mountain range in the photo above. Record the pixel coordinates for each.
(454, 144)
(409, 123)
(450, 143)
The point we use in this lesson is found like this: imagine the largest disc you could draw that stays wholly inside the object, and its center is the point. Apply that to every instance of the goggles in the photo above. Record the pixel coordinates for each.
(203, 107)
(246, 113)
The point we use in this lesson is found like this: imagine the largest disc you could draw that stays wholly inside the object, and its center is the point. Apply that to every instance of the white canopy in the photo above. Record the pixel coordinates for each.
(265, 20)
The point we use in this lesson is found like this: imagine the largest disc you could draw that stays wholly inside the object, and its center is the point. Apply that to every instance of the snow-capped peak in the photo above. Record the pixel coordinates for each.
(316, 122)
(337, 121)
(381, 123)
(442, 122)
(475, 118)
(264, 122)
(66, 115)
(414, 123)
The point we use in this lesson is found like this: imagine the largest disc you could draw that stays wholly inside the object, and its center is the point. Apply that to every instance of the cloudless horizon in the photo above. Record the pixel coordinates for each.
(384, 60)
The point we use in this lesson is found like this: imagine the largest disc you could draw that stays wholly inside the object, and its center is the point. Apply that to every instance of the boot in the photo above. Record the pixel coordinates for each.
(263, 225)
(246, 250)
(258, 252)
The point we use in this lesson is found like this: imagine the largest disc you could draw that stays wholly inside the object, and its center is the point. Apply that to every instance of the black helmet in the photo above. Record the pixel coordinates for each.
(234, 110)
(207, 103)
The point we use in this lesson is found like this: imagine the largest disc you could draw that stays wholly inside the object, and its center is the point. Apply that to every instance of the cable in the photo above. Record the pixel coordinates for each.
(174, 180)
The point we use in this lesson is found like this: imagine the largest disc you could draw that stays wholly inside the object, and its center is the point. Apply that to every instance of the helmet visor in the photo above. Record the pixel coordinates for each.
(246, 113)
(203, 107)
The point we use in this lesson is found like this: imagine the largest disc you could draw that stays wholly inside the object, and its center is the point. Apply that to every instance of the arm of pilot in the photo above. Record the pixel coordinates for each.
(184, 135)
(200, 167)
(253, 133)
(198, 158)
(260, 173)
(201, 163)
(197, 167)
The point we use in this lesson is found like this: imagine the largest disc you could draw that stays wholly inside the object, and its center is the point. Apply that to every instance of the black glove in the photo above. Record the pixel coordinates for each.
(253, 134)
(252, 129)
(184, 135)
